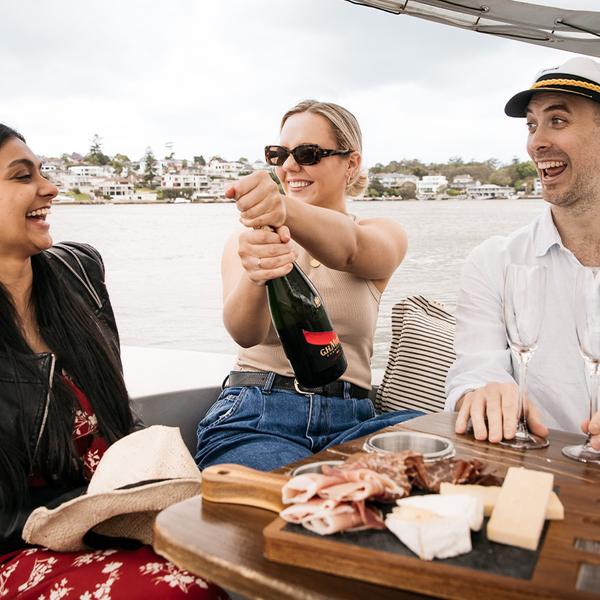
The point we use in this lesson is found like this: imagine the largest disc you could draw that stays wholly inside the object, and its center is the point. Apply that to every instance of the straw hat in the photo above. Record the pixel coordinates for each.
(138, 476)
(580, 75)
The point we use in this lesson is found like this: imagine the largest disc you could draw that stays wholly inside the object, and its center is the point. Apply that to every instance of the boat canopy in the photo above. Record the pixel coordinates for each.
(560, 28)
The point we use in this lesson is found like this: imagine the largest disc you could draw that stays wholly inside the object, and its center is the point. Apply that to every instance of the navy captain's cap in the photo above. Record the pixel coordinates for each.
(579, 76)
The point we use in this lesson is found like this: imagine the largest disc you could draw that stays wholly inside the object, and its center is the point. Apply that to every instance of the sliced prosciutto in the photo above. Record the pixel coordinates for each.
(396, 466)
(347, 516)
(299, 513)
(303, 487)
(362, 484)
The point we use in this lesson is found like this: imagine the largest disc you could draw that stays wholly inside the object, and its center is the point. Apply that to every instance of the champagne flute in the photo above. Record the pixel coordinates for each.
(587, 325)
(524, 294)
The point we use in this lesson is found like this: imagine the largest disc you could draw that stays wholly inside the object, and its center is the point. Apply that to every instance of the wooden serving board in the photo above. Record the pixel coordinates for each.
(379, 557)
(491, 570)
(566, 564)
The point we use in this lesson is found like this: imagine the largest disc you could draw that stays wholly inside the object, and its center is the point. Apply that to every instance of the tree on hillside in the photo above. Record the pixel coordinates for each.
(376, 189)
(95, 156)
(525, 175)
(119, 162)
(199, 160)
(150, 171)
(377, 168)
(526, 170)
(419, 172)
(501, 177)
(243, 160)
(408, 190)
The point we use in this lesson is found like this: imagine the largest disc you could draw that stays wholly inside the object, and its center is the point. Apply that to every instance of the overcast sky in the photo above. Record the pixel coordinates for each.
(214, 77)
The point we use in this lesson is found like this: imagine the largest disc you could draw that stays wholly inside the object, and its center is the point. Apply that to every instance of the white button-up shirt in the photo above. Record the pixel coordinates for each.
(556, 376)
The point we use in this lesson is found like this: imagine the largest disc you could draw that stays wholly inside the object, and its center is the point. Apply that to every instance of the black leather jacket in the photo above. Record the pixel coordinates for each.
(84, 272)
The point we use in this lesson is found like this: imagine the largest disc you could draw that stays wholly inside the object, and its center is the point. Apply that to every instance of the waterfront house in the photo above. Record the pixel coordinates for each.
(431, 185)
(92, 171)
(489, 191)
(185, 179)
(395, 180)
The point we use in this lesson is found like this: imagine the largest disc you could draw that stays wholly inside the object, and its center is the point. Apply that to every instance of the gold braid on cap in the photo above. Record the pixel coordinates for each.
(575, 82)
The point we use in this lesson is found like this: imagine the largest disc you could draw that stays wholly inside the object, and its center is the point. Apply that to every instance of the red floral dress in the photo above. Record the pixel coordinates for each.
(41, 574)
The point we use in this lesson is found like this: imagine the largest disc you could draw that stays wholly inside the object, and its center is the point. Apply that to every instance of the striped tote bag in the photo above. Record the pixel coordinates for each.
(421, 352)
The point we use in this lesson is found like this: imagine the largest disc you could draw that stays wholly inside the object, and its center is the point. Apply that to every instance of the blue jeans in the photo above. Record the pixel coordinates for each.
(266, 428)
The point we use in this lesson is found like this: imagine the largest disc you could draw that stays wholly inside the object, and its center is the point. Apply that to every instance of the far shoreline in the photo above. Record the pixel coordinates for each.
(227, 201)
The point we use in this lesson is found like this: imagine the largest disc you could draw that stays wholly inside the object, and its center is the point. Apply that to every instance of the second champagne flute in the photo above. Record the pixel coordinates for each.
(587, 324)
(524, 300)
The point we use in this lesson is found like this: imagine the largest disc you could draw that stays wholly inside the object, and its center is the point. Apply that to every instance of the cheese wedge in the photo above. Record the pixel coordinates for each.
(429, 535)
(520, 511)
(489, 494)
(459, 507)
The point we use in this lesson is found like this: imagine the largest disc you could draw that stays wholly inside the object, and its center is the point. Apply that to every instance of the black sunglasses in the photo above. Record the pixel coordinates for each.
(304, 154)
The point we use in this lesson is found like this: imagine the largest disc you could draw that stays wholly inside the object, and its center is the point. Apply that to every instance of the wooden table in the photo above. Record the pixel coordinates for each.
(224, 542)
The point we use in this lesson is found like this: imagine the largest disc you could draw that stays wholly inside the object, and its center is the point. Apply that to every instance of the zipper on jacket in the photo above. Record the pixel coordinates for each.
(47, 404)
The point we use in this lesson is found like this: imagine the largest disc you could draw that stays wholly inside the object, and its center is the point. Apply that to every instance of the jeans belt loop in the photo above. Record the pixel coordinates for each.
(224, 384)
(268, 385)
(347, 391)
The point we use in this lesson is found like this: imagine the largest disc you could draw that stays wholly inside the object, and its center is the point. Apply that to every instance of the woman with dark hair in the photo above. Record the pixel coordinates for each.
(63, 400)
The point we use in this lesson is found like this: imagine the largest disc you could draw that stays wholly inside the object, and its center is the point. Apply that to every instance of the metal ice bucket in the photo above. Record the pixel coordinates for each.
(315, 467)
(432, 447)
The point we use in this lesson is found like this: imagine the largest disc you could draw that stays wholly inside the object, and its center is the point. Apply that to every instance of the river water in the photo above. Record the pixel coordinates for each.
(163, 261)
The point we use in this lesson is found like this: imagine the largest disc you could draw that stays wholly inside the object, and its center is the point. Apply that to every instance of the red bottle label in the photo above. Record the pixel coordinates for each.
(327, 340)
(320, 338)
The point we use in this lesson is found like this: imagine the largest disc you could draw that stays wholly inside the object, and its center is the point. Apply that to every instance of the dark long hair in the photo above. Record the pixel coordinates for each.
(88, 353)
(7, 133)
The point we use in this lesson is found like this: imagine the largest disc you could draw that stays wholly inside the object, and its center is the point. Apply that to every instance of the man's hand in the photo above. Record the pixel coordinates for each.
(593, 426)
(497, 402)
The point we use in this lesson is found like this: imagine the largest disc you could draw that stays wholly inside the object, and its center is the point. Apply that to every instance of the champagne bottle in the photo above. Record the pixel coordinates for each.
(304, 329)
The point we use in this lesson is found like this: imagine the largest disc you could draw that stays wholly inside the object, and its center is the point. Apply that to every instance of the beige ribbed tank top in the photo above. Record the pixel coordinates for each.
(352, 304)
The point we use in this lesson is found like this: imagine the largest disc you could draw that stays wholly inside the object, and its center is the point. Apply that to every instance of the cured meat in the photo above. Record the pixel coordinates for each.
(393, 465)
(429, 476)
(329, 516)
(362, 484)
(346, 516)
(298, 513)
(372, 517)
(335, 500)
(303, 487)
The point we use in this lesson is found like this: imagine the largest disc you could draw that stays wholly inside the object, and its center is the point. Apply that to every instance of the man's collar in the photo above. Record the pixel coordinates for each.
(545, 234)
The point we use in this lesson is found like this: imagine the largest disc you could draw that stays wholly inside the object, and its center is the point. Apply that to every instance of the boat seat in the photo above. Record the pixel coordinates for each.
(174, 387)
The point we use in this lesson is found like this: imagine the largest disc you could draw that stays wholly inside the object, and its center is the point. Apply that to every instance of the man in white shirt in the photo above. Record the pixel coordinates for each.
(563, 120)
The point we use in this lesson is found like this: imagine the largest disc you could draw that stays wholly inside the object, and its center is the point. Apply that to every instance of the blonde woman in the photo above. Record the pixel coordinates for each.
(260, 419)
